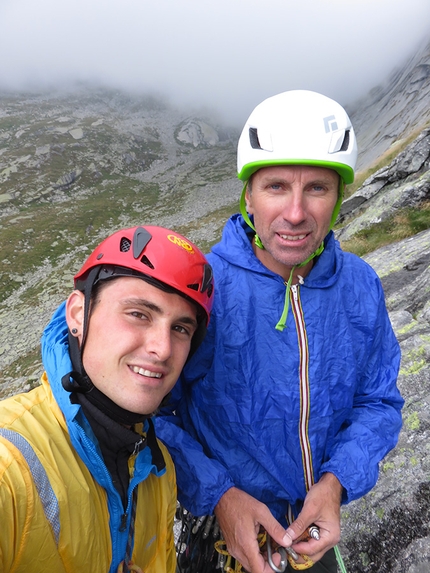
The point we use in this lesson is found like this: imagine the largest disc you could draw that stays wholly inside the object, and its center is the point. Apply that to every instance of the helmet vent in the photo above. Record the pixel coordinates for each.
(253, 138)
(207, 280)
(125, 245)
(147, 262)
(193, 286)
(345, 143)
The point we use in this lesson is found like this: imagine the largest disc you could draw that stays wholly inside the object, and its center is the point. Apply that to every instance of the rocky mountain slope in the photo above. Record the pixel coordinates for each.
(394, 109)
(75, 166)
(388, 531)
(403, 183)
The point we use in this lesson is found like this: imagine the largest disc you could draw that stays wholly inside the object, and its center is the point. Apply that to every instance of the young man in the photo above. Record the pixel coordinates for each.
(291, 402)
(84, 483)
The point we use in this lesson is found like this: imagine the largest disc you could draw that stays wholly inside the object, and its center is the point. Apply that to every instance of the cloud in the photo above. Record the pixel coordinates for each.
(228, 54)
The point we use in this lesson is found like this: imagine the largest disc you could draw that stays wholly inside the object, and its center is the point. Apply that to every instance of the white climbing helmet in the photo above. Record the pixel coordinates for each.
(298, 127)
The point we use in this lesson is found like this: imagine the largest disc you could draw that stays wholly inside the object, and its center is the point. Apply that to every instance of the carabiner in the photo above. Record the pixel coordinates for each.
(283, 551)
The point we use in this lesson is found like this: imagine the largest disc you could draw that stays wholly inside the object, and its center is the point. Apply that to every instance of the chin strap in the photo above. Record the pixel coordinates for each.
(245, 215)
(77, 380)
(282, 321)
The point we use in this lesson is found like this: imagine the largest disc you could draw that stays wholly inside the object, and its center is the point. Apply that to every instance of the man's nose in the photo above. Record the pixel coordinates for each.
(158, 342)
(295, 207)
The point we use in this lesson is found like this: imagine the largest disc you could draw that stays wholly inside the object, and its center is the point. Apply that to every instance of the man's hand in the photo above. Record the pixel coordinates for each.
(321, 507)
(240, 516)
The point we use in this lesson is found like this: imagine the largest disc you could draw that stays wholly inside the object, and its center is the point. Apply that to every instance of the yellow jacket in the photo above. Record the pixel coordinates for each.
(66, 523)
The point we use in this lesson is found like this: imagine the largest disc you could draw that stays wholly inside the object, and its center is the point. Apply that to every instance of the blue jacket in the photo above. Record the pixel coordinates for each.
(269, 411)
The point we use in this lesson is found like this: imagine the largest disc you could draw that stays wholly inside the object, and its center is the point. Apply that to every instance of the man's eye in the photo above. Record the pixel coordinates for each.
(182, 329)
(137, 314)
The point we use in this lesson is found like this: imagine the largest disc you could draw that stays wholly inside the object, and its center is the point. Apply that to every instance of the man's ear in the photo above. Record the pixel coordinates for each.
(75, 306)
(248, 201)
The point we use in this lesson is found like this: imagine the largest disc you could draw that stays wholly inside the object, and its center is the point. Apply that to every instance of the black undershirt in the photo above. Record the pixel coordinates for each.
(113, 426)
(117, 444)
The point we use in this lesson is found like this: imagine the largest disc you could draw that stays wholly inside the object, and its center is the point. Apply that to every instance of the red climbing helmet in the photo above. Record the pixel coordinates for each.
(151, 252)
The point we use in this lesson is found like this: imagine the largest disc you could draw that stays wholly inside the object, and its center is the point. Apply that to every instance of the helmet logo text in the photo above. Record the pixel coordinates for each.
(181, 243)
(330, 123)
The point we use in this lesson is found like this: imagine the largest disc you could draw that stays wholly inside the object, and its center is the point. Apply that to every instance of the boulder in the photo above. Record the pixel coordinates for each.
(197, 133)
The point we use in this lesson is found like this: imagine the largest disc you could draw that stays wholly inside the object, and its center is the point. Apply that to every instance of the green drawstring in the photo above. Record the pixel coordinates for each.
(282, 321)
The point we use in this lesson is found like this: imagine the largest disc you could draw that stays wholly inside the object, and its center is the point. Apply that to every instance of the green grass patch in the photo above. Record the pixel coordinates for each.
(52, 230)
(60, 288)
(405, 223)
(9, 122)
(7, 286)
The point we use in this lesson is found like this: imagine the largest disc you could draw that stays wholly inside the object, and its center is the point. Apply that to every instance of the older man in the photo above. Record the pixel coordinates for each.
(291, 402)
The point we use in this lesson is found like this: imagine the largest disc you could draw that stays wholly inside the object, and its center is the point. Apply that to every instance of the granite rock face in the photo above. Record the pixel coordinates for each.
(388, 530)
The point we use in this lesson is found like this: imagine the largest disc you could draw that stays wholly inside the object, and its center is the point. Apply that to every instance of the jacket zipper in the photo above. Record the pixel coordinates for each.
(124, 516)
(304, 386)
(89, 446)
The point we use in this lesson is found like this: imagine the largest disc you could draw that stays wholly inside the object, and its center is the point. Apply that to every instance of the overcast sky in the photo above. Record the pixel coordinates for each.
(225, 54)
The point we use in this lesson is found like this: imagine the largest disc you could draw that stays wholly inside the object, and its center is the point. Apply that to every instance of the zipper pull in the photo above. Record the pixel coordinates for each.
(137, 447)
(294, 292)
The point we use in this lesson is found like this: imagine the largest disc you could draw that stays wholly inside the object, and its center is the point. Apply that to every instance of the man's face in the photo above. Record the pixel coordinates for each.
(292, 207)
(138, 341)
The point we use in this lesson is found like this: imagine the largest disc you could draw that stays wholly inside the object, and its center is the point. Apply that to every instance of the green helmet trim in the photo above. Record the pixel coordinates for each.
(346, 173)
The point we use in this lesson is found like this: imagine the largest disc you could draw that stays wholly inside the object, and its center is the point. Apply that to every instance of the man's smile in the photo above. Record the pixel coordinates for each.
(144, 372)
(292, 237)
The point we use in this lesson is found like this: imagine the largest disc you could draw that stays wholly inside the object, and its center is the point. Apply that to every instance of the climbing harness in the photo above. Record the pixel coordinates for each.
(201, 548)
